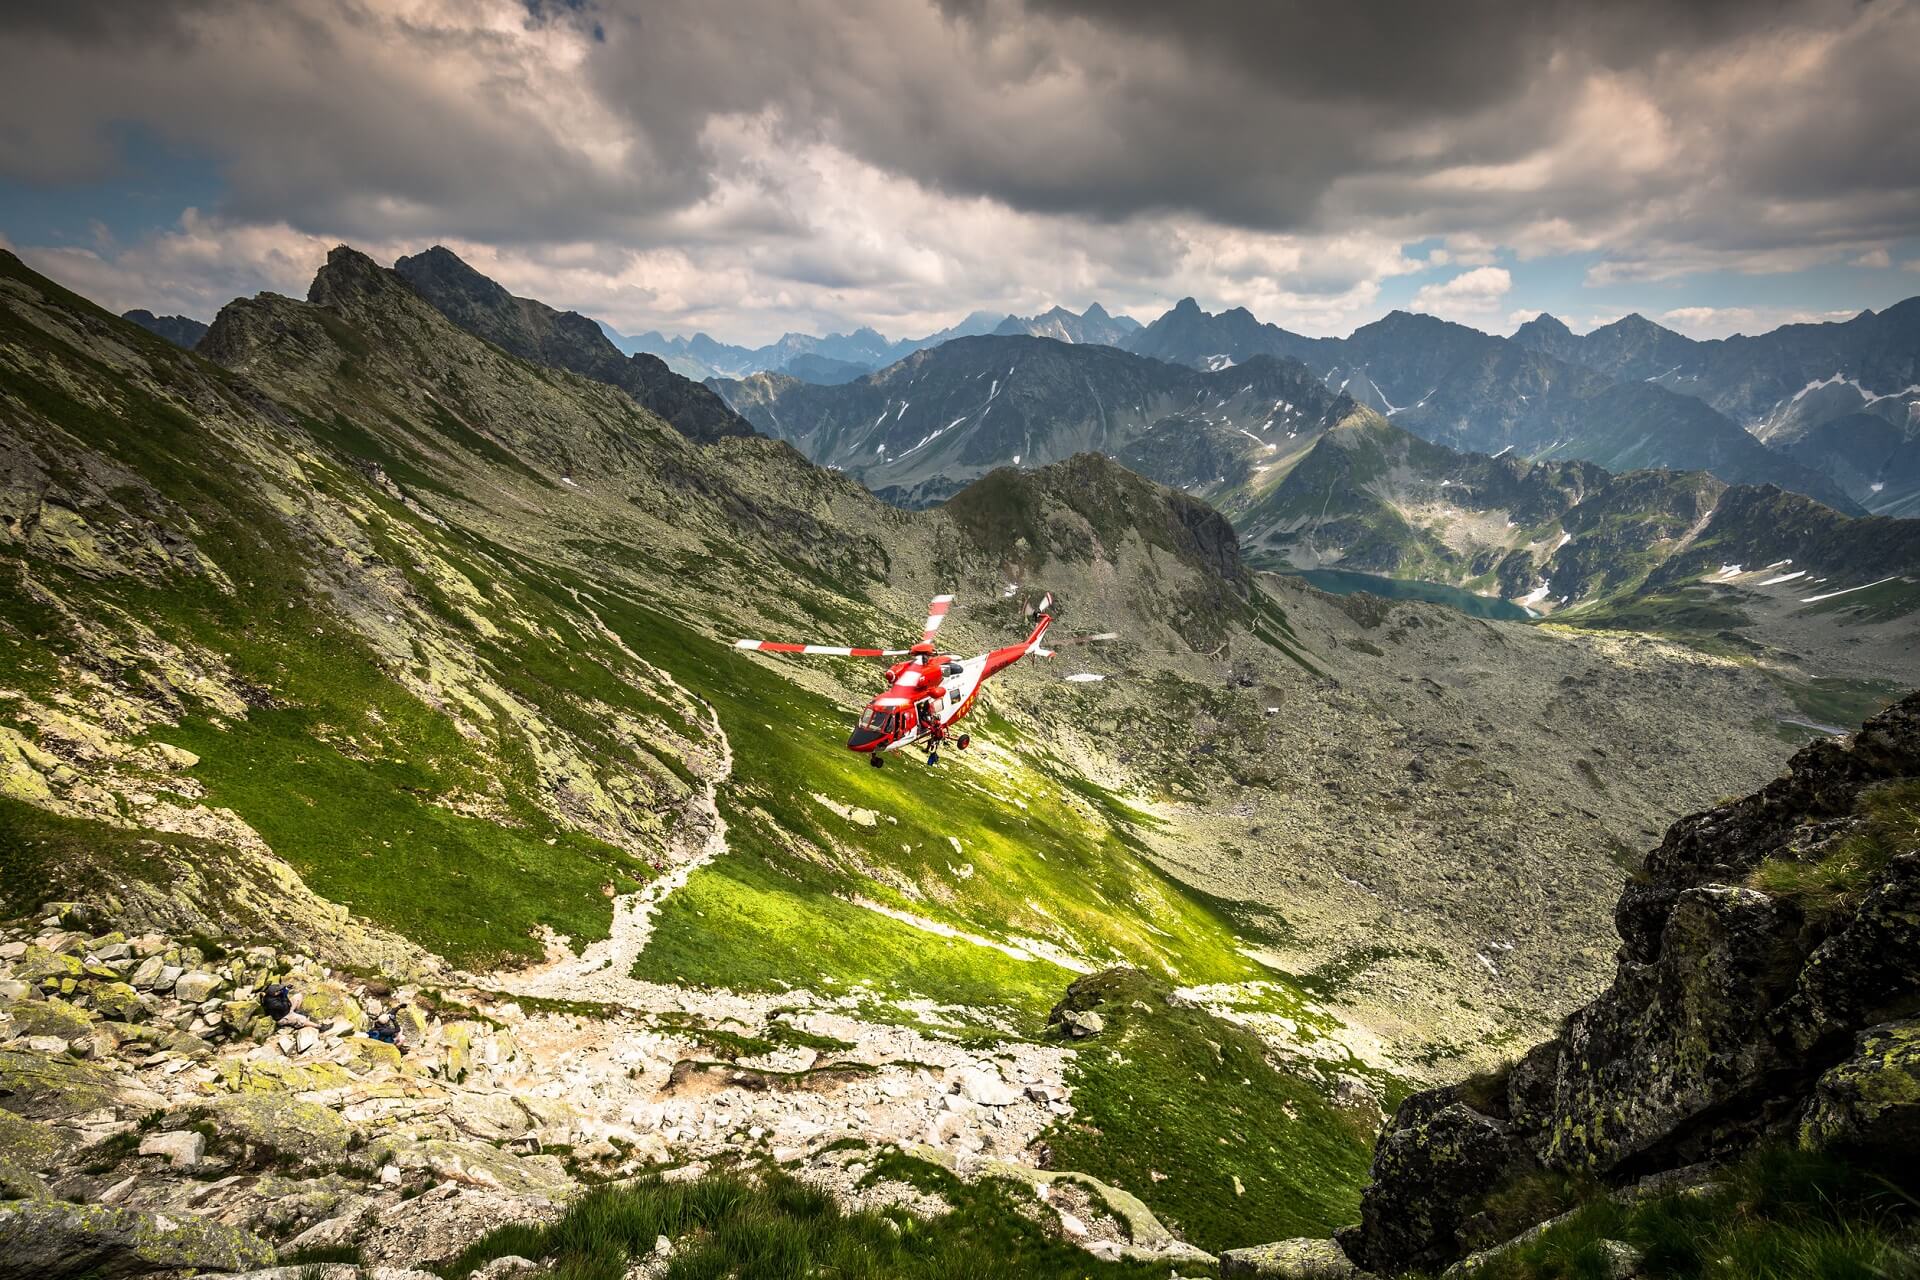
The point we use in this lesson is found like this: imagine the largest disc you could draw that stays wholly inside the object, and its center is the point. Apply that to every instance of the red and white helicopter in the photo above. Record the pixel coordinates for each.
(930, 691)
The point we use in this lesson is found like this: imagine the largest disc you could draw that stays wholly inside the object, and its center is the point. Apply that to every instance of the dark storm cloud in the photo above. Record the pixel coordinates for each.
(1284, 149)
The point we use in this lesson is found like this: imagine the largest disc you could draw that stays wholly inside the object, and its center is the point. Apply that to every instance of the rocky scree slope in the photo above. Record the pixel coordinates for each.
(1767, 989)
(564, 340)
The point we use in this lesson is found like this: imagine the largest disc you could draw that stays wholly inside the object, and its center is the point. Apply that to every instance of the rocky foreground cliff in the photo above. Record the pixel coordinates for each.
(1765, 1001)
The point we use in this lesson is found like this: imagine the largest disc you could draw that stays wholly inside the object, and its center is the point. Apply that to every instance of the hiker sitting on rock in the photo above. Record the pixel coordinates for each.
(386, 1029)
(282, 1004)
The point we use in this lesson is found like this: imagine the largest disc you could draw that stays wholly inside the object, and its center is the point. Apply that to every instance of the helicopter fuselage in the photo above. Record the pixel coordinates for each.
(930, 692)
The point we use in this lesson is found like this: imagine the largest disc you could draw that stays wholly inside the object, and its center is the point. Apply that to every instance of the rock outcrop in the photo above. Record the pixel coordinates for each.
(1766, 989)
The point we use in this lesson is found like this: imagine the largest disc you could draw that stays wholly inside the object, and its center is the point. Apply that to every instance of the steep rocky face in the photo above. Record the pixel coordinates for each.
(182, 331)
(1204, 340)
(1767, 987)
(1470, 390)
(565, 340)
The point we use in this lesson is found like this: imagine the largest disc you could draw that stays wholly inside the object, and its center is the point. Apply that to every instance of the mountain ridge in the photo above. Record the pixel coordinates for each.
(564, 339)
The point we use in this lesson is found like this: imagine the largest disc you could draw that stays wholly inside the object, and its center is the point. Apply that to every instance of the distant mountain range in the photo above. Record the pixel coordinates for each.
(842, 357)
(182, 331)
(1373, 497)
(1842, 398)
(1830, 411)
(918, 430)
(1474, 390)
(566, 340)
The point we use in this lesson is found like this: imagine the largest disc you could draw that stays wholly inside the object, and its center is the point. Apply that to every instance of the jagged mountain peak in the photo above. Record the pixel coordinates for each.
(348, 273)
(534, 331)
(1545, 323)
(1636, 325)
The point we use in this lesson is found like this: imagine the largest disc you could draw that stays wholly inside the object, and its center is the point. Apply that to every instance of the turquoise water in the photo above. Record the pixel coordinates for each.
(1343, 582)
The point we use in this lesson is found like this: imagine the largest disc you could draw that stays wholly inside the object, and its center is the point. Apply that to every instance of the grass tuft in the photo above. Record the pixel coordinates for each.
(776, 1227)
(1834, 884)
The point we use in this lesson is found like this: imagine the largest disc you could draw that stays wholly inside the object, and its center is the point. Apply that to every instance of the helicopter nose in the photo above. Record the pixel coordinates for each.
(865, 740)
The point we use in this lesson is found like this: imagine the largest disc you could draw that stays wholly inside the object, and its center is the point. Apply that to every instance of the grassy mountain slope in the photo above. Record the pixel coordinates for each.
(425, 634)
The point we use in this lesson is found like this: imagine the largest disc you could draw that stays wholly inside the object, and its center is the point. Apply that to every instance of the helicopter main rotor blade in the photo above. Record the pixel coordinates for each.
(936, 614)
(823, 650)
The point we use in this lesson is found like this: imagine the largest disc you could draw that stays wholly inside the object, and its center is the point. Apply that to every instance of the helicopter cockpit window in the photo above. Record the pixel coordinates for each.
(880, 721)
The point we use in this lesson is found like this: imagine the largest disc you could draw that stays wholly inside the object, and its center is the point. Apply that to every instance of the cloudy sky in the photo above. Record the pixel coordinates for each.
(752, 166)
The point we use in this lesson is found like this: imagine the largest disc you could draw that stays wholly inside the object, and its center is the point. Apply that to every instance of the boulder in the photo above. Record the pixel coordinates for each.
(1429, 1170)
(436, 1226)
(1082, 1024)
(52, 1017)
(491, 1117)
(119, 1001)
(325, 1001)
(985, 1088)
(185, 1147)
(1871, 1102)
(286, 1126)
(1305, 1259)
(54, 1086)
(365, 1055)
(474, 1164)
(147, 972)
(53, 1240)
(29, 1143)
(196, 986)
(45, 968)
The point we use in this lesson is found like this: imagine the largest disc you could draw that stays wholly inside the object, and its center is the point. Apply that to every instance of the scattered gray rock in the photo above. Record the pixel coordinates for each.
(1082, 1024)
(187, 1147)
(500, 1268)
(197, 986)
(54, 1240)
(1620, 1260)
(1302, 1259)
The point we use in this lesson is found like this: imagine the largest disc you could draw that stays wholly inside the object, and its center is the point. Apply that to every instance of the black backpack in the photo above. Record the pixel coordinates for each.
(276, 1000)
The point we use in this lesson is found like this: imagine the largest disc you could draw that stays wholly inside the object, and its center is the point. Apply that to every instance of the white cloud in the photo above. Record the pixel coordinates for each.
(1472, 297)
(1723, 322)
(1521, 316)
(1874, 258)
(835, 241)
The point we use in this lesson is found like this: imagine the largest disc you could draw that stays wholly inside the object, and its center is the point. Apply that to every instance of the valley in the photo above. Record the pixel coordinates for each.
(360, 641)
